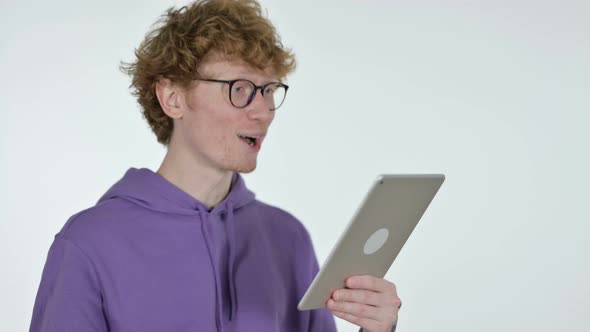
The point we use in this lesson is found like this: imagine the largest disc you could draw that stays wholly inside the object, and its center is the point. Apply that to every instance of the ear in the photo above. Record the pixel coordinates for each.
(169, 96)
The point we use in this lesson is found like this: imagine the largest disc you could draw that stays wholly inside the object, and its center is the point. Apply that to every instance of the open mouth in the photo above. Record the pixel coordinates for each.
(250, 140)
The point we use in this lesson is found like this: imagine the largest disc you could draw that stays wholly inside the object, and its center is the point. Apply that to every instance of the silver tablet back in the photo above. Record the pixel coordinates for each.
(376, 233)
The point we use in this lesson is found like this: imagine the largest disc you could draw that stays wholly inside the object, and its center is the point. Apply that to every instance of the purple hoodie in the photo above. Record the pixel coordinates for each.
(149, 257)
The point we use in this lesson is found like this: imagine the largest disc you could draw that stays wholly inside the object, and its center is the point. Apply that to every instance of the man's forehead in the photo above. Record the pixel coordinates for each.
(221, 66)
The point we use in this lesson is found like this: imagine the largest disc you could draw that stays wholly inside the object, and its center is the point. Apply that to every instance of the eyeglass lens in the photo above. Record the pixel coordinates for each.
(242, 94)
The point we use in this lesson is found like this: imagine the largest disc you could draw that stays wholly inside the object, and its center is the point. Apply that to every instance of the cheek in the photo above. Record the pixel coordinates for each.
(215, 127)
(213, 123)
(199, 131)
(222, 139)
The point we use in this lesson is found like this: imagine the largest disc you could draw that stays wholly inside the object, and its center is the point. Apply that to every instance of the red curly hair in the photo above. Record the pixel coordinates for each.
(181, 40)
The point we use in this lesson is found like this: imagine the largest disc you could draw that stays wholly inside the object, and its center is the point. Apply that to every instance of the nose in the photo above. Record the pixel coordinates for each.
(258, 109)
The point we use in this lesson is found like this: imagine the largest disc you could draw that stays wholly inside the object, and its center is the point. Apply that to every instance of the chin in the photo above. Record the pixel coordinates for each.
(244, 168)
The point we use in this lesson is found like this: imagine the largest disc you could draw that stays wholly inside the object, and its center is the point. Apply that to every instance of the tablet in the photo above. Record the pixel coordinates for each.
(375, 235)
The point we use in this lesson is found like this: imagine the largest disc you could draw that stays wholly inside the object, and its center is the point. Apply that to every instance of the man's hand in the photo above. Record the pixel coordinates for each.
(368, 302)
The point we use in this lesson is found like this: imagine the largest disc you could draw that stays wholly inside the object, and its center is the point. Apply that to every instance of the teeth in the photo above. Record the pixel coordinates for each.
(250, 140)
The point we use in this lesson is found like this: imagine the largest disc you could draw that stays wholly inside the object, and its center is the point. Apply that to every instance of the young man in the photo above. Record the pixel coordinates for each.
(189, 248)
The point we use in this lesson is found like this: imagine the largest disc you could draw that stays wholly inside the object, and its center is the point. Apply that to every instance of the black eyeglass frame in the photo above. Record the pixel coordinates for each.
(256, 88)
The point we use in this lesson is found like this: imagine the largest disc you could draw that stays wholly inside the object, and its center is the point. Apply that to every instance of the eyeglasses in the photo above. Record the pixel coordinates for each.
(242, 92)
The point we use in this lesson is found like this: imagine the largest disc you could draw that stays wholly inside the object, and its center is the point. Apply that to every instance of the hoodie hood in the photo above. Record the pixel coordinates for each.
(150, 190)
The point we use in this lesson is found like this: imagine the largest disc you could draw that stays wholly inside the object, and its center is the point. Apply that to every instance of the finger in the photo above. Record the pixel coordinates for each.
(371, 283)
(356, 309)
(366, 323)
(361, 296)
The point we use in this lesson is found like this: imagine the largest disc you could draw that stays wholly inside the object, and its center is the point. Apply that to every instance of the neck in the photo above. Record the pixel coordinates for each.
(205, 183)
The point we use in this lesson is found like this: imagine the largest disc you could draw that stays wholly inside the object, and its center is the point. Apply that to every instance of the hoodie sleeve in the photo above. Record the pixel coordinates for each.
(320, 320)
(69, 296)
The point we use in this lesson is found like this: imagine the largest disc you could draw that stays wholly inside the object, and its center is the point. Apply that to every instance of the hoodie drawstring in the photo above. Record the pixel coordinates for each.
(229, 226)
(229, 222)
(206, 235)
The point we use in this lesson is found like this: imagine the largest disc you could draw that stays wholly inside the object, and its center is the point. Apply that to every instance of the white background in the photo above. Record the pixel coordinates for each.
(494, 94)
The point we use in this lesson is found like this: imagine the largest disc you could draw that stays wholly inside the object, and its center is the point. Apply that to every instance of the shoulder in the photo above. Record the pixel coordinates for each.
(97, 222)
(276, 217)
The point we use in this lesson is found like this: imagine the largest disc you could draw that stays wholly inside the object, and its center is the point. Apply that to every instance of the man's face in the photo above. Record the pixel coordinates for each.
(215, 132)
